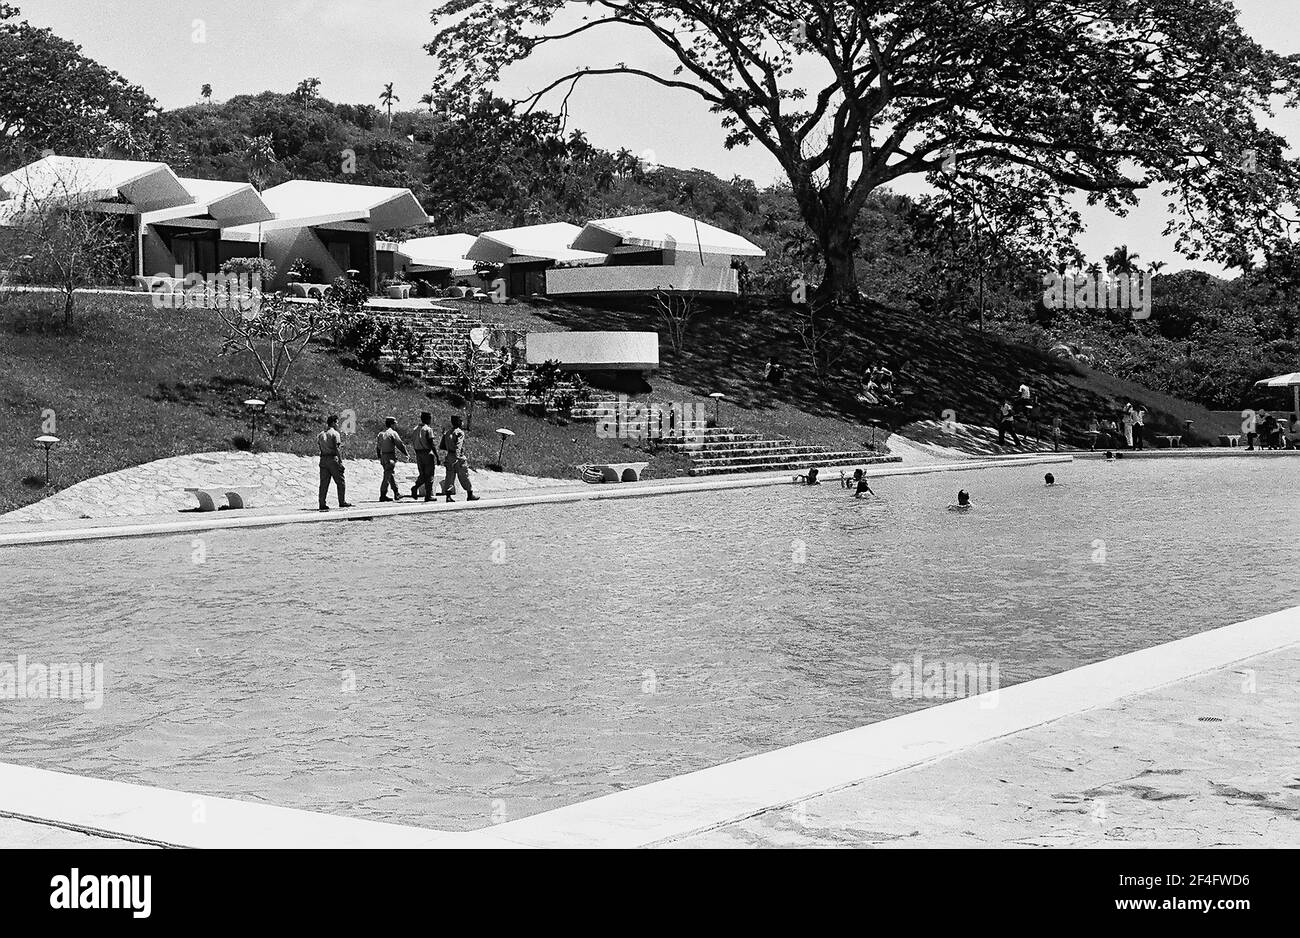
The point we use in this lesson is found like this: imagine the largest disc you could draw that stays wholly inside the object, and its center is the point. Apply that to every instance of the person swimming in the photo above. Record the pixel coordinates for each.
(963, 502)
(860, 486)
(1049, 479)
(809, 478)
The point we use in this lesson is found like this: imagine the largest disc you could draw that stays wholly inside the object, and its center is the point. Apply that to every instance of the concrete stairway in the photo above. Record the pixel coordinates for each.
(718, 450)
(445, 334)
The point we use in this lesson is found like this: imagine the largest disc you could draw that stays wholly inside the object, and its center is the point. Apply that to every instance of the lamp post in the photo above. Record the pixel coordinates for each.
(505, 435)
(47, 442)
(717, 407)
(255, 408)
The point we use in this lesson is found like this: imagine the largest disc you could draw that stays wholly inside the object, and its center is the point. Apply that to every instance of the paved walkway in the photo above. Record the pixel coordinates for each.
(157, 488)
(1200, 763)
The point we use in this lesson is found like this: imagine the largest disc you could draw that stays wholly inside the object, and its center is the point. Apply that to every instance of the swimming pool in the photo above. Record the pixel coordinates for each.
(451, 671)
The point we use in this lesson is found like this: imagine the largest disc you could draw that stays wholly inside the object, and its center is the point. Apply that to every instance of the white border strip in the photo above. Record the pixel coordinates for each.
(164, 817)
(204, 521)
(704, 800)
(661, 811)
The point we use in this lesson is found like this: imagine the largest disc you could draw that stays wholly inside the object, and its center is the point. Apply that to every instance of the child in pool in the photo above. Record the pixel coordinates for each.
(963, 502)
(810, 478)
(858, 483)
(1049, 479)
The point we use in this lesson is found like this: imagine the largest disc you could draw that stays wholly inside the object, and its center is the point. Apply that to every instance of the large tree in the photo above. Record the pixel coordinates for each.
(54, 98)
(1045, 98)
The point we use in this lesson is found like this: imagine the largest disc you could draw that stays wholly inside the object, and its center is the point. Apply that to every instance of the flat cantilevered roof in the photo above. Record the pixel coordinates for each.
(143, 186)
(228, 203)
(535, 242)
(662, 231)
(302, 203)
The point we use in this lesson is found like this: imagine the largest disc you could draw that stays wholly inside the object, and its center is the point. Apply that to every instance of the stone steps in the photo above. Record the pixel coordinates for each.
(820, 461)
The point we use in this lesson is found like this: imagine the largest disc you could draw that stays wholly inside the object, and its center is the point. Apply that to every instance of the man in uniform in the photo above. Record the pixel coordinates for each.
(387, 444)
(330, 442)
(425, 459)
(453, 441)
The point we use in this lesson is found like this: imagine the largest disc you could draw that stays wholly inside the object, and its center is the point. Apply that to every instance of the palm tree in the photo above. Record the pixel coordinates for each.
(624, 160)
(388, 99)
(307, 90)
(1120, 261)
(1156, 266)
(427, 98)
(259, 157)
(206, 93)
(1093, 269)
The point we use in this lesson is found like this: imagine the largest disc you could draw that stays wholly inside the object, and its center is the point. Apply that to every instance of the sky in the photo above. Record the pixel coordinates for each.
(172, 47)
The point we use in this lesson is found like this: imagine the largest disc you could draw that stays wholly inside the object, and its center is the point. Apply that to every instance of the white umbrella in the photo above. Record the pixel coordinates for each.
(1291, 381)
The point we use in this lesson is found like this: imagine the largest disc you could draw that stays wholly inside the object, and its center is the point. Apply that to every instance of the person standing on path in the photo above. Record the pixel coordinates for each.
(1007, 422)
(1139, 417)
(425, 458)
(387, 444)
(330, 442)
(453, 441)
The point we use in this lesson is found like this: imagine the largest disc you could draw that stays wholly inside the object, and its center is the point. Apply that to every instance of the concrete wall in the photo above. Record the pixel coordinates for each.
(157, 258)
(638, 279)
(285, 245)
(595, 351)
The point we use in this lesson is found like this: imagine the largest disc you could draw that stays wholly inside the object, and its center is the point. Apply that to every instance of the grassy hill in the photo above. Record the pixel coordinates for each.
(132, 384)
(938, 365)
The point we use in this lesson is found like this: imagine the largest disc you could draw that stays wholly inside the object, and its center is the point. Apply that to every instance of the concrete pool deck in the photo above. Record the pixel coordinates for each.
(20, 533)
(1189, 743)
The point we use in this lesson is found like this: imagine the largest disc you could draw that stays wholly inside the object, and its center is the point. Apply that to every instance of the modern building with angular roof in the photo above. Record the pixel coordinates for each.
(332, 226)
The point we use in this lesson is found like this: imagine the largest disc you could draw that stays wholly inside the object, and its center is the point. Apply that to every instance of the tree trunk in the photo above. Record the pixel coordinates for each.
(840, 280)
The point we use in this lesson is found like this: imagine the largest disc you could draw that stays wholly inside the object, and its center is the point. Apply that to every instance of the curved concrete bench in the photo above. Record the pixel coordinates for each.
(614, 472)
(235, 496)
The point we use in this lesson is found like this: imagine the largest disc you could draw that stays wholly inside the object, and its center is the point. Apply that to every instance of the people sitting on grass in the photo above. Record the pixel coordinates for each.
(773, 372)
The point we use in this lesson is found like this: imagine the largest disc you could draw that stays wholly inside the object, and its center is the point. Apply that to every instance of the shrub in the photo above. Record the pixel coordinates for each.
(250, 267)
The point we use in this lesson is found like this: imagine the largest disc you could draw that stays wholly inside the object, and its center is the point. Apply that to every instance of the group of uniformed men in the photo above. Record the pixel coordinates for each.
(387, 445)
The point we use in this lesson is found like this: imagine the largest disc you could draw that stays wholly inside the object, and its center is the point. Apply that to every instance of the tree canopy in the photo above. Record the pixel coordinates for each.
(54, 97)
(1011, 103)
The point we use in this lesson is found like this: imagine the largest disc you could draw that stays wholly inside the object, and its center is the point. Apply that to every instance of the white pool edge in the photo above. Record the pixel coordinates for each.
(212, 521)
(700, 801)
(661, 811)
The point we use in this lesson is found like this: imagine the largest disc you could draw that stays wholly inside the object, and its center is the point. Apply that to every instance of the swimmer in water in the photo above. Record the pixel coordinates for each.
(1049, 479)
(963, 502)
(860, 486)
(808, 479)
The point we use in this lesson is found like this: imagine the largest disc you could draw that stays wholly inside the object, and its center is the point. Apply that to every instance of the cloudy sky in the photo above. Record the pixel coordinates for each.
(355, 46)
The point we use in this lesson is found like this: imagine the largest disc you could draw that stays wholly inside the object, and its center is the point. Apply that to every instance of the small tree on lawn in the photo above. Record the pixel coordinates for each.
(675, 311)
(275, 332)
(55, 238)
(822, 335)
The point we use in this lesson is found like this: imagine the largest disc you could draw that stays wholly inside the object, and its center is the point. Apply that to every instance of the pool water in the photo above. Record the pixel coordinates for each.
(451, 671)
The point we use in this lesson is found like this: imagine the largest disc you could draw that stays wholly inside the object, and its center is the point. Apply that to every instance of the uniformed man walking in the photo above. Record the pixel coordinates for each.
(453, 441)
(387, 444)
(330, 442)
(426, 460)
